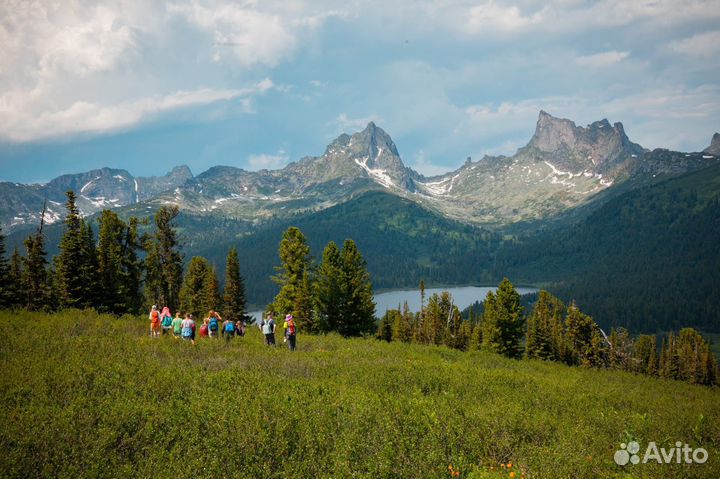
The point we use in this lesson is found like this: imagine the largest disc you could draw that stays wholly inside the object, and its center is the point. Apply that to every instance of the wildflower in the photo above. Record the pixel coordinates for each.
(509, 465)
(512, 473)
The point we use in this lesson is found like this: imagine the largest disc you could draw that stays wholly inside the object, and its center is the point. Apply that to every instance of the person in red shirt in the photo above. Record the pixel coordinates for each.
(154, 322)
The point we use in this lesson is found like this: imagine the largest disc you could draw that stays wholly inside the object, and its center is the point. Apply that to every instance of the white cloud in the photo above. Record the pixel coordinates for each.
(82, 117)
(425, 167)
(345, 124)
(602, 60)
(699, 45)
(268, 162)
(492, 16)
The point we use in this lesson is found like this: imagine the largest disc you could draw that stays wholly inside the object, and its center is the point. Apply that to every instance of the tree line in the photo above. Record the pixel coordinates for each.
(553, 332)
(124, 271)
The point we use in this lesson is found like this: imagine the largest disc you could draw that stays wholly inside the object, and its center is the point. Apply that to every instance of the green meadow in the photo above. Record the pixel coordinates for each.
(87, 395)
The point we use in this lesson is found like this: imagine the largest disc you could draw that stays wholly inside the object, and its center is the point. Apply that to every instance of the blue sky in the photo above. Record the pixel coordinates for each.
(257, 84)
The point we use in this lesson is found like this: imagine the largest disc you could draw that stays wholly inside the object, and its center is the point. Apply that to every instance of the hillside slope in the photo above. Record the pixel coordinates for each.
(105, 400)
(648, 259)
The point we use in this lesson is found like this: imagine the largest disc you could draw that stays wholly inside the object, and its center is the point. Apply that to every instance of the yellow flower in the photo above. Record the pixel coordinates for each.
(512, 473)
(509, 465)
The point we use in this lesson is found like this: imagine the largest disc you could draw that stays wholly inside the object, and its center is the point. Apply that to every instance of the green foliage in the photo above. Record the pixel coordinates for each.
(36, 287)
(164, 261)
(385, 328)
(6, 288)
(687, 357)
(545, 329)
(88, 395)
(357, 309)
(503, 321)
(234, 293)
(328, 294)
(295, 261)
(199, 293)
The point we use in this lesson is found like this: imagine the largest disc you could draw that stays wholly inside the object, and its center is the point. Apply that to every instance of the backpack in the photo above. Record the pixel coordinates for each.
(213, 324)
(186, 332)
(167, 321)
(291, 327)
(203, 330)
(230, 327)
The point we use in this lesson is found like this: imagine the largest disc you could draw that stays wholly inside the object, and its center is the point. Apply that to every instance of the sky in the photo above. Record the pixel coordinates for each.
(146, 86)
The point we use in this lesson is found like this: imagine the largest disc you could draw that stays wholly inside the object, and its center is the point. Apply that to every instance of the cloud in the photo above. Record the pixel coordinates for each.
(268, 162)
(425, 167)
(492, 16)
(602, 60)
(705, 44)
(84, 117)
(345, 124)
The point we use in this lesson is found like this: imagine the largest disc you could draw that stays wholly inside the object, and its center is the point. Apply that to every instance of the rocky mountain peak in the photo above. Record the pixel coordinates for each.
(596, 147)
(714, 148)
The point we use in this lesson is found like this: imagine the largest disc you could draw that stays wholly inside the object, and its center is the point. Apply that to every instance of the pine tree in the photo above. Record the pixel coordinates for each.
(490, 330)
(402, 327)
(89, 267)
(234, 294)
(476, 339)
(303, 307)
(358, 309)
(15, 275)
(6, 290)
(295, 260)
(164, 261)
(580, 332)
(34, 282)
(70, 268)
(464, 336)
(539, 339)
(110, 269)
(199, 294)
(504, 322)
(645, 354)
(132, 268)
(385, 328)
(328, 294)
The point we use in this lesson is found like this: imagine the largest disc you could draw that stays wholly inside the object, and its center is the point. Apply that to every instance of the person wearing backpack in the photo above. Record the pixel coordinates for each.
(177, 325)
(188, 329)
(228, 330)
(204, 328)
(240, 327)
(213, 324)
(166, 321)
(290, 330)
(154, 321)
(268, 329)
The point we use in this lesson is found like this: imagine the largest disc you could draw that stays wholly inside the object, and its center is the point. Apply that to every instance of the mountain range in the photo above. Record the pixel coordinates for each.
(563, 167)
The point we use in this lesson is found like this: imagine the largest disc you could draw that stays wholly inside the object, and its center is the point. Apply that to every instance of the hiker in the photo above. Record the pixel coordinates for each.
(268, 329)
(213, 324)
(289, 327)
(204, 328)
(177, 325)
(154, 321)
(240, 327)
(188, 329)
(228, 330)
(166, 321)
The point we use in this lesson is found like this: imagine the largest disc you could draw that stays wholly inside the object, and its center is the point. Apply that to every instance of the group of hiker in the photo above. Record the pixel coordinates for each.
(163, 323)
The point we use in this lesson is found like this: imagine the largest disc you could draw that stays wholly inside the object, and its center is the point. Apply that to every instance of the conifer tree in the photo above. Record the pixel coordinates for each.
(504, 321)
(464, 336)
(402, 327)
(580, 332)
(70, 268)
(539, 339)
(357, 315)
(234, 293)
(295, 261)
(385, 328)
(328, 293)
(35, 287)
(89, 266)
(645, 354)
(110, 269)
(132, 268)
(15, 275)
(476, 339)
(164, 261)
(305, 316)
(199, 293)
(5, 280)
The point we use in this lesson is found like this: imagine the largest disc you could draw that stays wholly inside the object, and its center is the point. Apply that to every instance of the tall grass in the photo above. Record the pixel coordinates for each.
(87, 395)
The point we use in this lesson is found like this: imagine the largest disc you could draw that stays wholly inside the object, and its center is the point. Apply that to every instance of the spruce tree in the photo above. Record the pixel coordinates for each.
(164, 261)
(464, 335)
(476, 339)
(35, 287)
(70, 267)
(234, 293)
(110, 270)
(583, 338)
(645, 354)
(490, 330)
(5, 280)
(505, 321)
(295, 261)
(132, 268)
(198, 294)
(402, 327)
(539, 339)
(89, 266)
(328, 294)
(358, 308)
(385, 328)
(15, 275)
(304, 315)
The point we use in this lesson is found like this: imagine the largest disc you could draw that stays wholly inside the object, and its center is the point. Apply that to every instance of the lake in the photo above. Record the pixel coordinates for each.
(463, 297)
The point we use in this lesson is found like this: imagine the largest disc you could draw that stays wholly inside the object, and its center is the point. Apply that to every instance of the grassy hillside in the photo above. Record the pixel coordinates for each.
(93, 396)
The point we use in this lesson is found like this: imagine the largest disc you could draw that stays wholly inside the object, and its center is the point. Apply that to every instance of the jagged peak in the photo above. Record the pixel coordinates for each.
(714, 148)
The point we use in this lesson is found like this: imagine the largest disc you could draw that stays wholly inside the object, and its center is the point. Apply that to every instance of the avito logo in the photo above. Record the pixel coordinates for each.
(681, 453)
